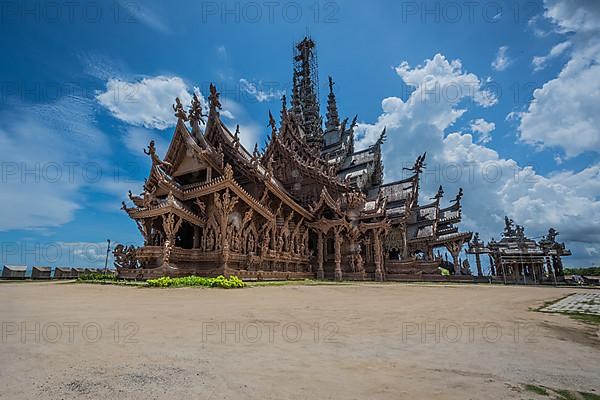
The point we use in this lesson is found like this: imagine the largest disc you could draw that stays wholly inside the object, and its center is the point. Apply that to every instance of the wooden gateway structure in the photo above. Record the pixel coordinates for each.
(517, 258)
(308, 206)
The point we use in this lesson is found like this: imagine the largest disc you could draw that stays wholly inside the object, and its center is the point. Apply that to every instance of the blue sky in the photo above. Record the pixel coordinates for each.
(503, 95)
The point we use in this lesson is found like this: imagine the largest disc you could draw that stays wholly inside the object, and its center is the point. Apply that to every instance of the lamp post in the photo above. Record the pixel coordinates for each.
(106, 260)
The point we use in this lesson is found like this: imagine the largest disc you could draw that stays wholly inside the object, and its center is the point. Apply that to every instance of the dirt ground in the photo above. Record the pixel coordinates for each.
(356, 341)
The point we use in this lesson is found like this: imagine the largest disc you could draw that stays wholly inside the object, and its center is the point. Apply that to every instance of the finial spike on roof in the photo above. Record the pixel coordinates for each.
(179, 111)
(272, 124)
(213, 99)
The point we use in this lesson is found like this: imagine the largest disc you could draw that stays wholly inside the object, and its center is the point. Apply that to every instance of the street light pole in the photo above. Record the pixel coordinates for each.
(106, 260)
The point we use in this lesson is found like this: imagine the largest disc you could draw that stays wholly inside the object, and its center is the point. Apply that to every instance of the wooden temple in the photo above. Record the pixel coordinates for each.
(517, 258)
(309, 205)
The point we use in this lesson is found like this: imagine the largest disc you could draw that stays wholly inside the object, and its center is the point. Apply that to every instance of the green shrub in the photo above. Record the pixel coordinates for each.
(97, 276)
(536, 389)
(592, 271)
(219, 281)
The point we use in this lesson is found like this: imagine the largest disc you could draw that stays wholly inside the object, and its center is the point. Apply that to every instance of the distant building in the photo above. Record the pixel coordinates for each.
(63, 273)
(38, 272)
(14, 272)
(516, 258)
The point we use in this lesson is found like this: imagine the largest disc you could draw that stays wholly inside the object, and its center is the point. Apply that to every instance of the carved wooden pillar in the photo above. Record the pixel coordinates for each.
(146, 229)
(454, 249)
(208, 174)
(561, 272)
(224, 206)
(478, 262)
(430, 253)
(171, 225)
(377, 251)
(352, 252)
(225, 257)
(404, 244)
(320, 271)
(338, 253)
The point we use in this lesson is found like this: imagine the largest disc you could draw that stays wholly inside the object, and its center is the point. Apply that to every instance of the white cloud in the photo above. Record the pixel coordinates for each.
(440, 85)
(502, 60)
(222, 51)
(573, 15)
(50, 153)
(564, 112)
(249, 135)
(147, 102)
(484, 128)
(494, 186)
(137, 139)
(133, 12)
(534, 25)
(539, 62)
(256, 92)
(558, 159)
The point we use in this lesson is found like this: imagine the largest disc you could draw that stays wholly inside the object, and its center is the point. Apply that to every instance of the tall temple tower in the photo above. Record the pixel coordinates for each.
(305, 92)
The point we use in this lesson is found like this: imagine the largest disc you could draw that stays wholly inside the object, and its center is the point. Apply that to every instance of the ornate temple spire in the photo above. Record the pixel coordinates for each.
(296, 95)
(195, 114)
(273, 125)
(378, 162)
(213, 99)
(306, 86)
(284, 112)
(214, 105)
(333, 119)
(236, 137)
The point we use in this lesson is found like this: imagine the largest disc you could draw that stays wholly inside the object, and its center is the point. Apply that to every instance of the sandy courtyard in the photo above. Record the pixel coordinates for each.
(362, 341)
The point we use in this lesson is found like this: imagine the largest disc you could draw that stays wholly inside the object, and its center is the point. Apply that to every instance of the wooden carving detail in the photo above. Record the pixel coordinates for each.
(223, 207)
(126, 257)
(171, 225)
(179, 111)
(151, 151)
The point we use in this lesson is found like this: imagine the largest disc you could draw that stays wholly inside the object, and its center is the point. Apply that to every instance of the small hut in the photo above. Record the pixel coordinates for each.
(63, 273)
(14, 272)
(76, 272)
(38, 272)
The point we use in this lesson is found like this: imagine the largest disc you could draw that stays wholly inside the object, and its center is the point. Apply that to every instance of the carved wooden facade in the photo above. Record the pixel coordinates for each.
(307, 206)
